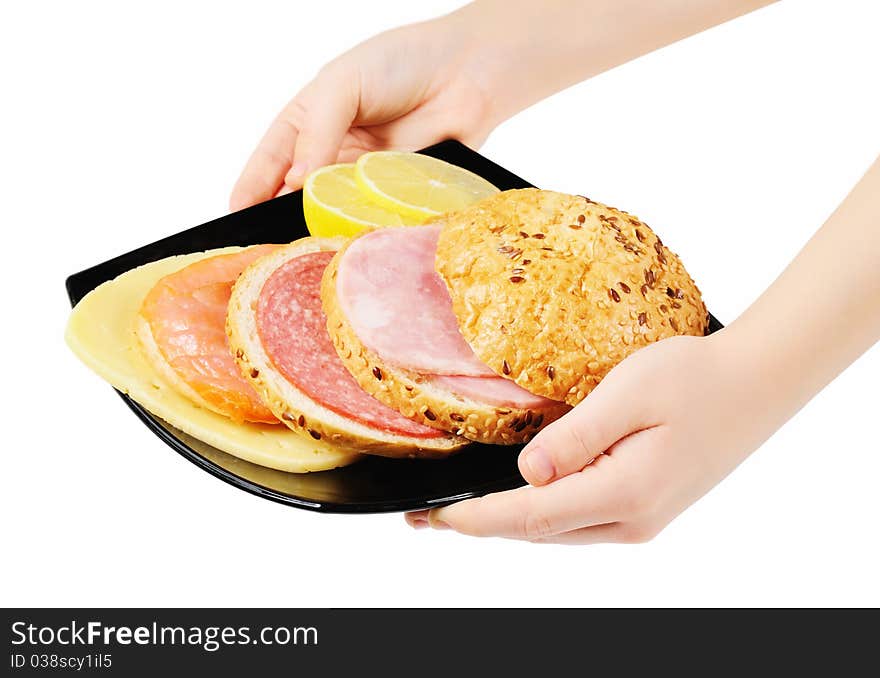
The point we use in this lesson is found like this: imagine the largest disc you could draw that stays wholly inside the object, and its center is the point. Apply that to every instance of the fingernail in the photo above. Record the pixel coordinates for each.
(419, 524)
(440, 525)
(539, 464)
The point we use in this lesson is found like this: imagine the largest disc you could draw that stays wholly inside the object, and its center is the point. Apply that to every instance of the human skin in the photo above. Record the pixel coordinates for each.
(654, 457)
(621, 465)
(459, 76)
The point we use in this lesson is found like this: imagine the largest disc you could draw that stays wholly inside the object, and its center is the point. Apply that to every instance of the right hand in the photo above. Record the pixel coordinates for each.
(403, 89)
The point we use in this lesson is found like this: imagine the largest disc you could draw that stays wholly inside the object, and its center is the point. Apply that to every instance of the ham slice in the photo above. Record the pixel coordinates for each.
(399, 306)
(495, 391)
(293, 330)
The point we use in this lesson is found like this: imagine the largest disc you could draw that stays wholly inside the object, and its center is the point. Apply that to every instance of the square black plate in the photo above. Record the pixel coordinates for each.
(374, 484)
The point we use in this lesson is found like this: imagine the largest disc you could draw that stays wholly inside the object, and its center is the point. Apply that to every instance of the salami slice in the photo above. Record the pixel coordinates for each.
(293, 330)
(399, 306)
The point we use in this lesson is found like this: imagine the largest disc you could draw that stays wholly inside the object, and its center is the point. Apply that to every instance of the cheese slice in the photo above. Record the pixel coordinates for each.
(101, 332)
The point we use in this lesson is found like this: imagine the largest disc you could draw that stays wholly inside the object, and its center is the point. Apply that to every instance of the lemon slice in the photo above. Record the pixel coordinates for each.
(334, 205)
(418, 186)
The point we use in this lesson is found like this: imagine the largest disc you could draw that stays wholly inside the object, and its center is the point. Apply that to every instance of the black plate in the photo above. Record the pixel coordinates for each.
(374, 484)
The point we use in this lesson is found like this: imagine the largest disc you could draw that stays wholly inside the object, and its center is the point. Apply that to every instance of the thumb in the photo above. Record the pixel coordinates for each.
(330, 104)
(608, 414)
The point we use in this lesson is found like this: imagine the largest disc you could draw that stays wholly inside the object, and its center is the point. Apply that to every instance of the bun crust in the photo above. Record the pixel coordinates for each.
(553, 290)
(287, 402)
(414, 396)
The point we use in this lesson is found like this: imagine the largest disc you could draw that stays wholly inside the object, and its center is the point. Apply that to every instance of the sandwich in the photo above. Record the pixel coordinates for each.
(391, 320)
(494, 321)
(486, 324)
(106, 331)
(278, 337)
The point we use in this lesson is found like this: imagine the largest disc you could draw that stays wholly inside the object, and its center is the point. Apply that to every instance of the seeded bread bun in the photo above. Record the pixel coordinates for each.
(286, 401)
(413, 395)
(554, 290)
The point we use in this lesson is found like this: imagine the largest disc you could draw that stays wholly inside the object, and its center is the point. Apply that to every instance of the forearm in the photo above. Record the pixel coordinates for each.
(528, 50)
(822, 312)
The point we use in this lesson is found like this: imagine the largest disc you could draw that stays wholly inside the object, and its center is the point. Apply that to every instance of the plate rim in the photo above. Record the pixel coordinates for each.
(251, 487)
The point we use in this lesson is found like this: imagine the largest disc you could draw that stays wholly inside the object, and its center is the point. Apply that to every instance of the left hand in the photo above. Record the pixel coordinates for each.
(403, 89)
(662, 428)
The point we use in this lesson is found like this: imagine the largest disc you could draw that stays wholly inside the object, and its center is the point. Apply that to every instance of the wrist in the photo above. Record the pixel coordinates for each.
(760, 386)
(474, 54)
(515, 53)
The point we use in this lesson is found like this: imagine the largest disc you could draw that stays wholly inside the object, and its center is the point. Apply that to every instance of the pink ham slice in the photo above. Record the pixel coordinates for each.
(293, 330)
(399, 306)
(492, 391)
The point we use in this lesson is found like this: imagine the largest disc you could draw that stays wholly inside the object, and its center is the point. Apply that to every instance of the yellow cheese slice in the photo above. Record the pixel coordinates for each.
(101, 333)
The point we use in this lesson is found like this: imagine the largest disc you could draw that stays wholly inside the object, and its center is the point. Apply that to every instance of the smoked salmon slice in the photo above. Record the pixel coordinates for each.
(183, 328)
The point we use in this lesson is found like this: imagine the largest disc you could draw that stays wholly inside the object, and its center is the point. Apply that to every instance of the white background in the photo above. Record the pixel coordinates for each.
(125, 122)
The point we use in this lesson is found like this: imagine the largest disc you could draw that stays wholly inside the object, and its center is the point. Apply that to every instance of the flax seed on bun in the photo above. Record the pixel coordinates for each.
(553, 290)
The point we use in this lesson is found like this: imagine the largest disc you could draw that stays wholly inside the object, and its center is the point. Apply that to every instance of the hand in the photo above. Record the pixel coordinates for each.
(404, 89)
(664, 427)
(670, 421)
(458, 76)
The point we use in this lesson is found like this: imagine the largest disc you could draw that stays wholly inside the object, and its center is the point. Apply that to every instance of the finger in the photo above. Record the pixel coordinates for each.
(417, 519)
(330, 105)
(609, 533)
(578, 500)
(609, 413)
(264, 172)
